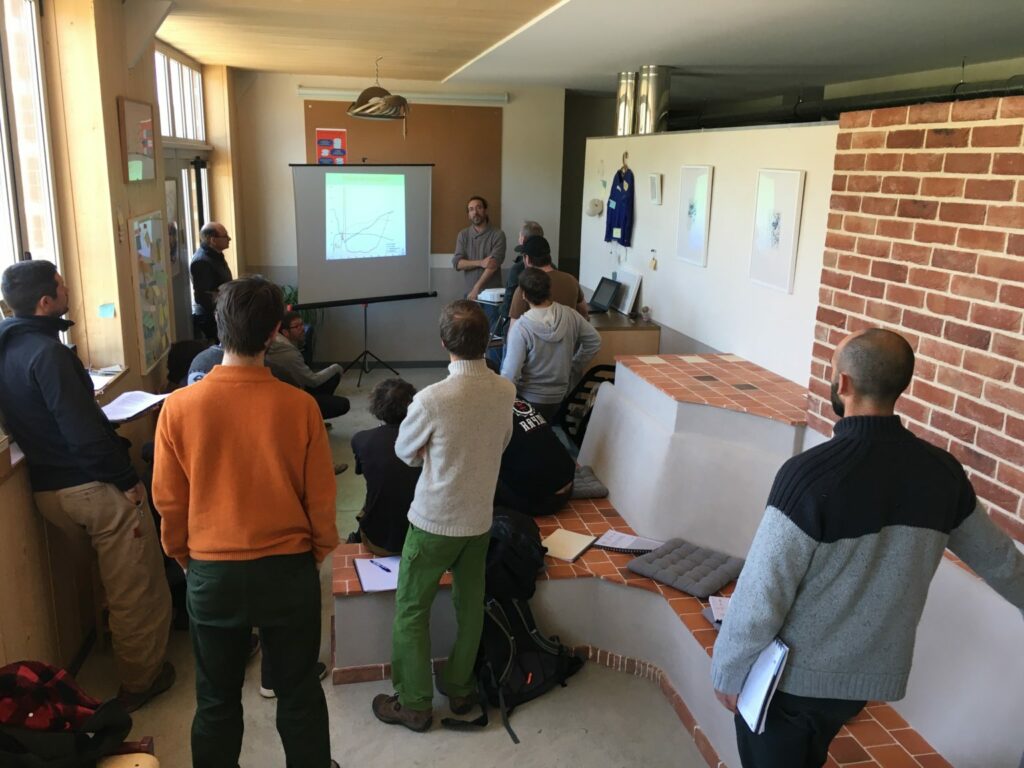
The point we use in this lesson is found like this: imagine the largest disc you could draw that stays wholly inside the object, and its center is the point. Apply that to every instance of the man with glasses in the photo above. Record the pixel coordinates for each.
(209, 270)
(284, 356)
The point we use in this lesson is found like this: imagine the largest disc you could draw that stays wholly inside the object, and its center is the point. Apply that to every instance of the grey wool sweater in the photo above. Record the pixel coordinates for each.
(457, 430)
(840, 565)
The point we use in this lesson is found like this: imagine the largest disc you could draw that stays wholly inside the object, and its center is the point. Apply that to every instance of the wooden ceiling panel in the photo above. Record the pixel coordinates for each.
(419, 39)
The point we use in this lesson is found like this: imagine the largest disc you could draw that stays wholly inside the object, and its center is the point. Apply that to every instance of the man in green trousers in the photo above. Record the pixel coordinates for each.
(457, 430)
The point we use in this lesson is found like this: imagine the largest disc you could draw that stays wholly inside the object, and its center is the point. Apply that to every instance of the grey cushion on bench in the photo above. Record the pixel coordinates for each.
(685, 566)
(587, 486)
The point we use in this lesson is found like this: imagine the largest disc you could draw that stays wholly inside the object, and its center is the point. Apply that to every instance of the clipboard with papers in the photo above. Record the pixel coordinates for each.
(760, 685)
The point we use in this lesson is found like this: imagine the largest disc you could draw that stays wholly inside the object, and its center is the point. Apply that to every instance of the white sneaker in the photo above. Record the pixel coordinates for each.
(321, 673)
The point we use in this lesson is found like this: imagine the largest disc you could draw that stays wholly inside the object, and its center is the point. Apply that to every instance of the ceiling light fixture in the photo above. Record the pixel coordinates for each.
(377, 103)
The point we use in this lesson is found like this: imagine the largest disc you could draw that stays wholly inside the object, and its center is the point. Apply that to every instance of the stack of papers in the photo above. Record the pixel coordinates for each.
(616, 541)
(760, 685)
(567, 545)
(131, 404)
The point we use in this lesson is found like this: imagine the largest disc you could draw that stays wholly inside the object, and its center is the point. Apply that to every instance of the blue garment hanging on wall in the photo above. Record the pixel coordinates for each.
(619, 220)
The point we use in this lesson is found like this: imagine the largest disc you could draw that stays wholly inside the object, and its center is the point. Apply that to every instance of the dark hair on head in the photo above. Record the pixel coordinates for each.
(538, 259)
(290, 317)
(536, 285)
(248, 310)
(25, 283)
(390, 400)
(477, 197)
(464, 329)
(880, 364)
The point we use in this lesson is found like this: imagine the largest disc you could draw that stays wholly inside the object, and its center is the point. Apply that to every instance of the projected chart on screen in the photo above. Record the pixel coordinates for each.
(365, 215)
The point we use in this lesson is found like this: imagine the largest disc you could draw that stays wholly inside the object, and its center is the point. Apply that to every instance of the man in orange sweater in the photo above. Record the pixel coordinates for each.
(248, 511)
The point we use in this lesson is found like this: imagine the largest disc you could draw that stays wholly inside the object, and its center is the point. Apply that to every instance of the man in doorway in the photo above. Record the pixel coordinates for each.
(209, 270)
(479, 251)
(284, 355)
(841, 563)
(83, 479)
(565, 289)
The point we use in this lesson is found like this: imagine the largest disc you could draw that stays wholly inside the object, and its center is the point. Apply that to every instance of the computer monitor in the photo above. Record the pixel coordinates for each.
(603, 295)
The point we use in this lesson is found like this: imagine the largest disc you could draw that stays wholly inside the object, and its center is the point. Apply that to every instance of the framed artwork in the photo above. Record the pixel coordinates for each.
(777, 208)
(173, 227)
(152, 306)
(694, 214)
(138, 135)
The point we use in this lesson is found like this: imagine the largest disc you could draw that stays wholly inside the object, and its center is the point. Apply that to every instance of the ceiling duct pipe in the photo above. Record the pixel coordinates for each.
(652, 99)
(625, 104)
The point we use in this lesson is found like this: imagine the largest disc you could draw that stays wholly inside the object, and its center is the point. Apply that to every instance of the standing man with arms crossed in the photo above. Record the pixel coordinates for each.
(209, 270)
(456, 429)
(840, 566)
(479, 250)
(82, 475)
(248, 512)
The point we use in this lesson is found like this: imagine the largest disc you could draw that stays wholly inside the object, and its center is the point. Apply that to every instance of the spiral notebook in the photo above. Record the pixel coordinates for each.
(616, 541)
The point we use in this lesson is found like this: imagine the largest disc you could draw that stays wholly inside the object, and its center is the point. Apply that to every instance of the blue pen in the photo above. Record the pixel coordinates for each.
(382, 567)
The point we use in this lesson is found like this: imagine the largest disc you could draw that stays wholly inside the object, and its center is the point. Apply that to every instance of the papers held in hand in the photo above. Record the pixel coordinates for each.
(760, 685)
(131, 405)
(378, 574)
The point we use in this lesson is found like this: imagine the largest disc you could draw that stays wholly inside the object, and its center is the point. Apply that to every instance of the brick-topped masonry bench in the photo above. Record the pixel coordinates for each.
(878, 737)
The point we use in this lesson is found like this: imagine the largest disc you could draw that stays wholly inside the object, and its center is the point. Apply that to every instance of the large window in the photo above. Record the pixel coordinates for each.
(27, 222)
(179, 88)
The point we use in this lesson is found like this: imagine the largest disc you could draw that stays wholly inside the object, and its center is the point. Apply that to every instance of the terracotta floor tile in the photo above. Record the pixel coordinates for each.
(686, 605)
(870, 734)
(893, 757)
(933, 761)
(845, 749)
(912, 741)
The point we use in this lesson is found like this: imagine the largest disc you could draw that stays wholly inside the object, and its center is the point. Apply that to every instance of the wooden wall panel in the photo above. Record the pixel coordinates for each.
(463, 143)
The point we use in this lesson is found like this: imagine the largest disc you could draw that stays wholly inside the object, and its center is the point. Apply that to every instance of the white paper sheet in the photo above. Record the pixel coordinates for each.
(131, 404)
(719, 606)
(626, 543)
(760, 685)
(372, 574)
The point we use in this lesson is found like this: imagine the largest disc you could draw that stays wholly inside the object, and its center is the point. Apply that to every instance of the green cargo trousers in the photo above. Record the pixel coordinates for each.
(280, 595)
(425, 558)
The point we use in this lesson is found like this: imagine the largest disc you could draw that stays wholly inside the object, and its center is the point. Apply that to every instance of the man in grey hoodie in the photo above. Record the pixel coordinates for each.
(546, 351)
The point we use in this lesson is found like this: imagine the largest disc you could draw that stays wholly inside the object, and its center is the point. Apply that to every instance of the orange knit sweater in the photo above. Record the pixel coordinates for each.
(243, 470)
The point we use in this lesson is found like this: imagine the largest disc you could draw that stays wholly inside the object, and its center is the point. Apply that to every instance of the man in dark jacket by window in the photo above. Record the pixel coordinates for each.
(81, 475)
(209, 270)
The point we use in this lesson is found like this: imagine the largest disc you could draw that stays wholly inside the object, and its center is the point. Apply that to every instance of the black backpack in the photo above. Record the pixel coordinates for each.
(514, 556)
(516, 663)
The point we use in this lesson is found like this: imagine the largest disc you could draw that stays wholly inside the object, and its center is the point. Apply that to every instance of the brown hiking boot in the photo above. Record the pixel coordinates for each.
(388, 710)
(133, 700)
(459, 705)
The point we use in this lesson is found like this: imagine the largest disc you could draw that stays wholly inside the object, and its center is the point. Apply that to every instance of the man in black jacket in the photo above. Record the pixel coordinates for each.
(81, 474)
(209, 270)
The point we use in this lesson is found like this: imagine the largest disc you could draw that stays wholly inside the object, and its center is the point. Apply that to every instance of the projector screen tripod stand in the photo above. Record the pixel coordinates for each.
(364, 357)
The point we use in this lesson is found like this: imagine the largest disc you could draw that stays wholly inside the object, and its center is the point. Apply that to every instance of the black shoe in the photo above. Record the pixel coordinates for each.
(321, 673)
(132, 701)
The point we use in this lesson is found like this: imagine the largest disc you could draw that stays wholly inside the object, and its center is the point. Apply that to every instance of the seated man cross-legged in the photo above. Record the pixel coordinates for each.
(284, 355)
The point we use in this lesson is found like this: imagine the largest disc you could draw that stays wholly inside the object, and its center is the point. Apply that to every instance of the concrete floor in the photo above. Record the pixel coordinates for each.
(603, 718)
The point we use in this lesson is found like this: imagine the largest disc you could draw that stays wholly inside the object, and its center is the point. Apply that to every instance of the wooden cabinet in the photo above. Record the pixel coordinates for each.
(622, 336)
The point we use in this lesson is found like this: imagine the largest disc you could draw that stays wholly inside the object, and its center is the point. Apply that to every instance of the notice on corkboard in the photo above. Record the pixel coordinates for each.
(462, 143)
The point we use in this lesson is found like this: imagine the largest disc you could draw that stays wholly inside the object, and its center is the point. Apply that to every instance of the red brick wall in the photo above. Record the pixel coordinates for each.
(926, 236)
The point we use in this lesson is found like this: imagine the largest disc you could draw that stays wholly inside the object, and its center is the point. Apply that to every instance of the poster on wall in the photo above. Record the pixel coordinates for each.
(331, 146)
(146, 244)
(694, 214)
(777, 209)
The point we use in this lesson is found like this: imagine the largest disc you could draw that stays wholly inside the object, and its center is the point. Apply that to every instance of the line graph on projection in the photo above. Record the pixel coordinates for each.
(365, 215)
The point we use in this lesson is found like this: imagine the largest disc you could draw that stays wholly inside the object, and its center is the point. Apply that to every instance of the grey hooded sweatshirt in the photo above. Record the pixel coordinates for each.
(546, 351)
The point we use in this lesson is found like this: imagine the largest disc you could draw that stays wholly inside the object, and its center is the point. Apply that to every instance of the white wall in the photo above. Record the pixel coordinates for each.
(718, 305)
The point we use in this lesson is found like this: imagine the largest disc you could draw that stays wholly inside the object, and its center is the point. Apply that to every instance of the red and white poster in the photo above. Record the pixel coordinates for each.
(331, 146)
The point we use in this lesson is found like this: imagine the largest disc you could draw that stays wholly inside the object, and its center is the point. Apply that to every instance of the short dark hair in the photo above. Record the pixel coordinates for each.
(536, 285)
(290, 317)
(464, 329)
(880, 363)
(26, 282)
(477, 197)
(390, 400)
(208, 232)
(248, 310)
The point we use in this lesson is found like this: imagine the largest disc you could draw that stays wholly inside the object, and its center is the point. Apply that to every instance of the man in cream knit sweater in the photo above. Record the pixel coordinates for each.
(457, 430)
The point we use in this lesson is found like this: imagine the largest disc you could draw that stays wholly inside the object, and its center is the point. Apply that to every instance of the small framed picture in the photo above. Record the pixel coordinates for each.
(694, 214)
(138, 139)
(777, 208)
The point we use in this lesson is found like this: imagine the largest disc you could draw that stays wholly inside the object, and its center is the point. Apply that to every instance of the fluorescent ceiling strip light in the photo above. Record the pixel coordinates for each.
(472, 99)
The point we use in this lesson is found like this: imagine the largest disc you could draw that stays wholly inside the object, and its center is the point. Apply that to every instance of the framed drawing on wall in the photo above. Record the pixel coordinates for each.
(777, 208)
(149, 271)
(138, 135)
(694, 214)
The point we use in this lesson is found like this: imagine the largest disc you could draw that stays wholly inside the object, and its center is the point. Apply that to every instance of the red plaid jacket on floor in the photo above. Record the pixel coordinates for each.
(40, 697)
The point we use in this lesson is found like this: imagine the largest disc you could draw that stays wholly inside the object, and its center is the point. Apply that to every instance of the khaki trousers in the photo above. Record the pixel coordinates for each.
(131, 569)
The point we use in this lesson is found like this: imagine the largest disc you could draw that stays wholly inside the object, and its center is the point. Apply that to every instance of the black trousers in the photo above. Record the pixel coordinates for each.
(797, 733)
(204, 326)
(331, 405)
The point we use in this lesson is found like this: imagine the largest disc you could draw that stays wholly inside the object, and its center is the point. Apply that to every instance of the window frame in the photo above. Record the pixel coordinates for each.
(182, 117)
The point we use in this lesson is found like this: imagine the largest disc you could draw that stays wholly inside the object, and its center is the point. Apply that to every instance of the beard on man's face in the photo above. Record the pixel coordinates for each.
(837, 404)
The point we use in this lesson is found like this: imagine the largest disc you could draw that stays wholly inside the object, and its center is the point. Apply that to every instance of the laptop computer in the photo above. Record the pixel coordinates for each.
(603, 295)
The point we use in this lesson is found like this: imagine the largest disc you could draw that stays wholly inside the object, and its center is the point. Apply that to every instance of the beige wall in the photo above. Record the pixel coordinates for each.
(718, 305)
(271, 135)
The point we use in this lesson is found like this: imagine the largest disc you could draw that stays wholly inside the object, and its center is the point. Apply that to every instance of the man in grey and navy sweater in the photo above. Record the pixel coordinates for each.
(840, 565)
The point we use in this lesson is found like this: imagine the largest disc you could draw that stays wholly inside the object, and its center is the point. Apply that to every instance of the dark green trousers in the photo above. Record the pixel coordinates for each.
(281, 596)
